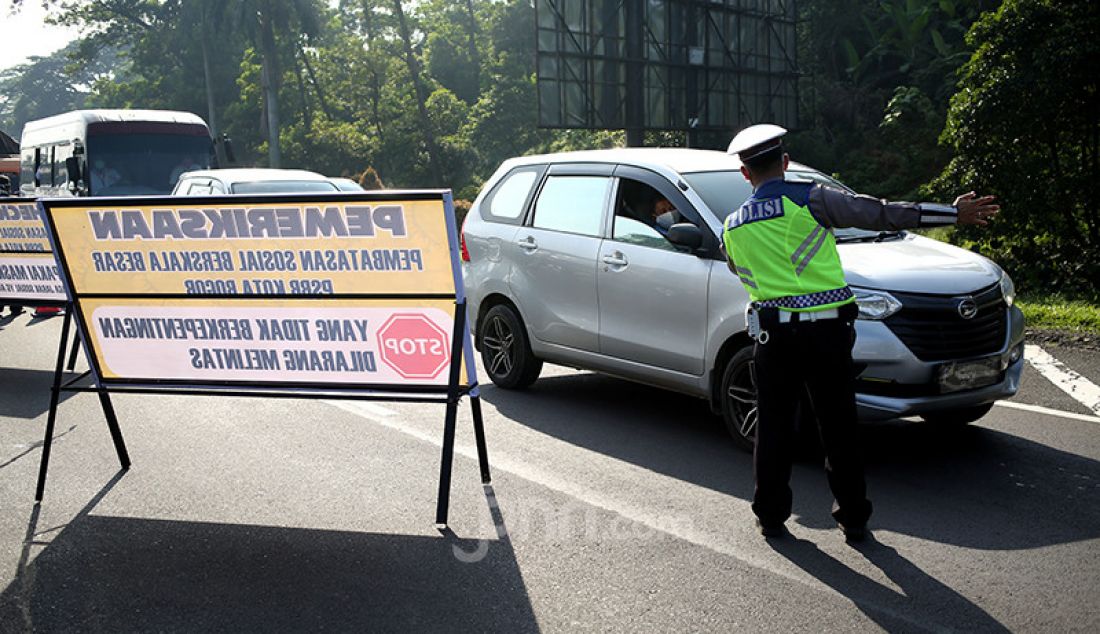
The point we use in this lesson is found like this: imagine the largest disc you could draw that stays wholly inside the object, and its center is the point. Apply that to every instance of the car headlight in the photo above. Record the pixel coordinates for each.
(1008, 289)
(875, 305)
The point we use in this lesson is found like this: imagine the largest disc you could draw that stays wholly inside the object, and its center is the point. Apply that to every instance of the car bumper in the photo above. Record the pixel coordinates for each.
(874, 407)
(893, 383)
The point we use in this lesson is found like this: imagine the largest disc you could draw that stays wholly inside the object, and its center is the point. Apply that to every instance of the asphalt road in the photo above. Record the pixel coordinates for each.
(614, 507)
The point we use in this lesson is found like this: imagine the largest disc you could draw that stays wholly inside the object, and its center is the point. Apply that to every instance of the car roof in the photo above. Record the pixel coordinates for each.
(254, 174)
(345, 184)
(679, 160)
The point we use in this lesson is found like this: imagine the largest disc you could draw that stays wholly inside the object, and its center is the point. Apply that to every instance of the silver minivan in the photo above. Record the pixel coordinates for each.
(566, 260)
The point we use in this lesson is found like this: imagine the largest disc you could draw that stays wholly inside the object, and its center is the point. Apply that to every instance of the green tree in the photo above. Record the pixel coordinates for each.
(263, 20)
(45, 86)
(1025, 126)
(452, 54)
(164, 49)
(880, 75)
(420, 90)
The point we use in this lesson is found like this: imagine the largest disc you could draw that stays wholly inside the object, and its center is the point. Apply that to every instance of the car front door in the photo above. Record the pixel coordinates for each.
(652, 293)
(554, 280)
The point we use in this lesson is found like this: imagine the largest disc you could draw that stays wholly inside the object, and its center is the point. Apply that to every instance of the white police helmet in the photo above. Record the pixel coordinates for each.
(755, 140)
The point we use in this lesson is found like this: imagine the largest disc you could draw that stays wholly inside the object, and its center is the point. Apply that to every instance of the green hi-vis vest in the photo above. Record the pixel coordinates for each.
(784, 257)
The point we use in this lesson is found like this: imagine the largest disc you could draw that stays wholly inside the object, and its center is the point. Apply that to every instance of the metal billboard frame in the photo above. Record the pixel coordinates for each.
(673, 65)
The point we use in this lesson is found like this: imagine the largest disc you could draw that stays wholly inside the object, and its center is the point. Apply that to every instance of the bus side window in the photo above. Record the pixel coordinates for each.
(38, 167)
(60, 170)
(26, 170)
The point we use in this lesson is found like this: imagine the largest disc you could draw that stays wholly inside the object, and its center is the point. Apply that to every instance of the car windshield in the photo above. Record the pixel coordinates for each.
(129, 164)
(724, 191)
(282, 187)
(847, 234)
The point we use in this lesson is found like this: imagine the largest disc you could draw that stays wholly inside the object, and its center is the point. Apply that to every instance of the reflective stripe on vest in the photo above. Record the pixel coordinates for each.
(746, 276)
(785, 257)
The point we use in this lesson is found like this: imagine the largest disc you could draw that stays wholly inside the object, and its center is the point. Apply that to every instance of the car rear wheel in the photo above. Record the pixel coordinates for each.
(505, 351)
(961, 416)
(738, 391)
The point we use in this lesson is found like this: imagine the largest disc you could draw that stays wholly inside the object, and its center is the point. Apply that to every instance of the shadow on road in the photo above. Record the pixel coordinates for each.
(918, 593)
(664, 431)
(26, 393)
(120, 574)
(969, 486)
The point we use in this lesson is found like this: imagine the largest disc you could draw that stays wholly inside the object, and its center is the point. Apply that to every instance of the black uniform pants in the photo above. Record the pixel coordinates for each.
(813, 357)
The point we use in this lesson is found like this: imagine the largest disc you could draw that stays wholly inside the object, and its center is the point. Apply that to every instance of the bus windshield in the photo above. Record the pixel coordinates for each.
(145, 163)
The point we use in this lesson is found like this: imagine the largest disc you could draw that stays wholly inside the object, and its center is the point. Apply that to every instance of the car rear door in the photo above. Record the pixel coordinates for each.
(554, 279)
(653, 294)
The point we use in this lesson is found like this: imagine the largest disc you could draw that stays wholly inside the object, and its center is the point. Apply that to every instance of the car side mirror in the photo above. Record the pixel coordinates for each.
(685, 234)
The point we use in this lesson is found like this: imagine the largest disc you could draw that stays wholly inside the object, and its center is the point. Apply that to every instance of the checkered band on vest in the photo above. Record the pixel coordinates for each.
(808, 301)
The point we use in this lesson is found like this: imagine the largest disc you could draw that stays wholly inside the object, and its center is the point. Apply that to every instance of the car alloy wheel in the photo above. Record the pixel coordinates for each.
(499, 341)
(739, 410)
(505, 351)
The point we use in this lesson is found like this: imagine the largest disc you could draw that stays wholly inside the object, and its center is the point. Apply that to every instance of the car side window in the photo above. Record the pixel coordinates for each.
(216, 188)
(643, 216)
(573, 204)
(508, 200)
(199, 189)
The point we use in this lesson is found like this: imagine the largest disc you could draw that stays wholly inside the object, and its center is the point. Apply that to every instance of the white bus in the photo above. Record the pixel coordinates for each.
(112, 152)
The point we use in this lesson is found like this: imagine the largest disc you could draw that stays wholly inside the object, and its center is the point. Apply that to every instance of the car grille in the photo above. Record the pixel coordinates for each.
(931, 326)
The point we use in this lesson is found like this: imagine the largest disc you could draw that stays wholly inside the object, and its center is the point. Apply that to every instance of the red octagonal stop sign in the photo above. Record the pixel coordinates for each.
(414, 346)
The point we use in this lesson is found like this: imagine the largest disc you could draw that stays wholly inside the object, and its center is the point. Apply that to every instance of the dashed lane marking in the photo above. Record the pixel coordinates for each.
(1081, 389)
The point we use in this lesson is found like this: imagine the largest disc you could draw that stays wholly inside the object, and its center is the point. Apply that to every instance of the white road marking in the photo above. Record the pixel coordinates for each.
(717, 543)
(1038, 409)
(1081, 389)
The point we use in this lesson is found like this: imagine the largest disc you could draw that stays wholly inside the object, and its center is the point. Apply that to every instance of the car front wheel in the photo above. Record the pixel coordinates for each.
(738, 391)
(505, 351)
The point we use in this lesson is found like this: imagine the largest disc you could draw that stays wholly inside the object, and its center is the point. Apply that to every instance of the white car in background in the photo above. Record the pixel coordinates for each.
(346, 184)
(251, 180)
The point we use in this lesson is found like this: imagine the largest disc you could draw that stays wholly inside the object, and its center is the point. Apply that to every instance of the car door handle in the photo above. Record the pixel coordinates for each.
(615, 259)
(528, 244)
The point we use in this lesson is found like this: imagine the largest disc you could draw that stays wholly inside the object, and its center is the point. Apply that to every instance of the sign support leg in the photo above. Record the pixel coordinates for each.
(116, 433)
(479, 435)
(55, 396)
(444, 500)
(72, 353)
(453, 392)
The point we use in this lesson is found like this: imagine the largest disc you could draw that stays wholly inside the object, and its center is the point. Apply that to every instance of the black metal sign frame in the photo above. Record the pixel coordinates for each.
(461, 348)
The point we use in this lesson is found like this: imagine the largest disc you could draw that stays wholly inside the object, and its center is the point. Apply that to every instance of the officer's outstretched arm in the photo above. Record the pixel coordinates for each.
(837, 208)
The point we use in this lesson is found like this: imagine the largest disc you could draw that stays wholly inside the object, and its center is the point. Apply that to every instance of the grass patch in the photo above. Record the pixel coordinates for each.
(1055, 312)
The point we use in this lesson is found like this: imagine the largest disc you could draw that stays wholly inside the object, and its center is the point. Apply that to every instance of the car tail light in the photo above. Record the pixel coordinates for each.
(462, 242)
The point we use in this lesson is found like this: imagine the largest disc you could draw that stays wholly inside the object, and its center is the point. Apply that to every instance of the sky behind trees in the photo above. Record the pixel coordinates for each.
(26, 34)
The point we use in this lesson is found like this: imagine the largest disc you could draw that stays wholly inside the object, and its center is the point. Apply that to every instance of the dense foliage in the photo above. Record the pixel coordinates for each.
(1025, 125)
(901, 98)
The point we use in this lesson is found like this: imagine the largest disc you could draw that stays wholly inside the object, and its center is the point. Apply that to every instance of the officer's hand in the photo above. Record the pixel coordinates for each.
(975, 210)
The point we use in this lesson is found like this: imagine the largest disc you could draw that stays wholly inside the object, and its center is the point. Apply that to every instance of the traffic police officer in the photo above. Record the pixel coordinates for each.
(780, 244)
